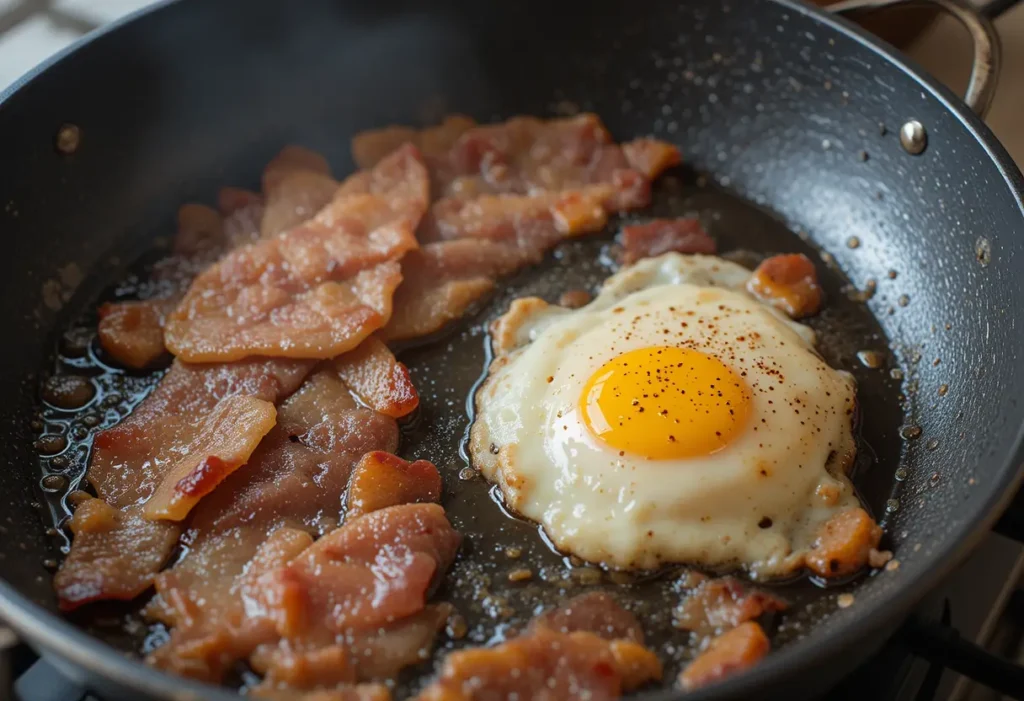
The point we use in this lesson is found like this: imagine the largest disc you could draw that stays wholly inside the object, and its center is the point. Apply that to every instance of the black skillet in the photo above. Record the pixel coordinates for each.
(772, 101)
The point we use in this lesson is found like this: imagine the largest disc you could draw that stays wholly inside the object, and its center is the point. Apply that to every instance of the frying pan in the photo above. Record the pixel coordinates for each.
(796, 111)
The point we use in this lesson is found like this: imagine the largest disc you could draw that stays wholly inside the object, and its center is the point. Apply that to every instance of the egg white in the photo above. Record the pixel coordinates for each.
(757, 503)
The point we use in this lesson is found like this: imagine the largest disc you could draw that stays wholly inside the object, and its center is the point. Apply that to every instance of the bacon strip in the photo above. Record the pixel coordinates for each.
(114, 554)
(223, 442)
(660, 236)
(131, 460)
(589, 648)
(356, 597)
(442, 281)
(317, 290)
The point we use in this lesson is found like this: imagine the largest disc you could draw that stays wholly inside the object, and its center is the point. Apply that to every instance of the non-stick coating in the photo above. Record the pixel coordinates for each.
(788, 109)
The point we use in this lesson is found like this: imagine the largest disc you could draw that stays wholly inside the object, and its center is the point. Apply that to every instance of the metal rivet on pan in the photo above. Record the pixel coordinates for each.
(68, 138)
(913, 137)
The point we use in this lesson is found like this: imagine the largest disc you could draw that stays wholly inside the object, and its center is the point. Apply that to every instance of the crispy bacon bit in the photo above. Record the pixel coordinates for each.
(382, 479)
(663, 236)
(844, 544)
(317, 290)
(545, 666)
(369, 147)
(731, 652)
(133, 332)
(596, 613)
(378, 379)
(223, 442)
(725, 602)
(297, 184)
(114, 556)
(651, 157)
(130, 460)
(789, 283)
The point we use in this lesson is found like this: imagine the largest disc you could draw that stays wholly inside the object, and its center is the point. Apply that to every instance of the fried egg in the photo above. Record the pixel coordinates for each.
(674, 419)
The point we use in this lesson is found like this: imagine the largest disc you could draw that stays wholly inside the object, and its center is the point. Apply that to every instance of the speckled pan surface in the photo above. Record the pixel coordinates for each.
(763, 96)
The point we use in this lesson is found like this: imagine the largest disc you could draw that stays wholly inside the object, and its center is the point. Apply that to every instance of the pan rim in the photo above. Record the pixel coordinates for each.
(54, 634)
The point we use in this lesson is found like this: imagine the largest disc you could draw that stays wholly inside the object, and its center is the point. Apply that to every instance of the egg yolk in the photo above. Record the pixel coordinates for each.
(665, 402)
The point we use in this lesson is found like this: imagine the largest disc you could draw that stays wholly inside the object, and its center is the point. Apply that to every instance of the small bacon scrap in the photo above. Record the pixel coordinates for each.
(789, 283)
(722, 603)
(382, 479)
(844, 544)
(664, 236)
(378, 379)
(133, 332)
(224, 441)
(731, 652)
(651, 157)
(317, 290)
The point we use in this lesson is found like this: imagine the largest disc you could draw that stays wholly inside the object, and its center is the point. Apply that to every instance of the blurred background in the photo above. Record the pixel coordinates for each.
(32, 30)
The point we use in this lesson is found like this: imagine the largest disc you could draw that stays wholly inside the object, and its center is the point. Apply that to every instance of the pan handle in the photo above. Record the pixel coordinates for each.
(987, 48)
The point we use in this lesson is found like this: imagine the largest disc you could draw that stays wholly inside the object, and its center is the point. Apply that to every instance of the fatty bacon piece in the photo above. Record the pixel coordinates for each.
(164, 443)
(557, 658)
(316, 290)
(290, 491)
(356, 597)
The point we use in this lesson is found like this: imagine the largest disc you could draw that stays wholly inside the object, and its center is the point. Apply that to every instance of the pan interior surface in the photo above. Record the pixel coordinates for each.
(769, 103)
